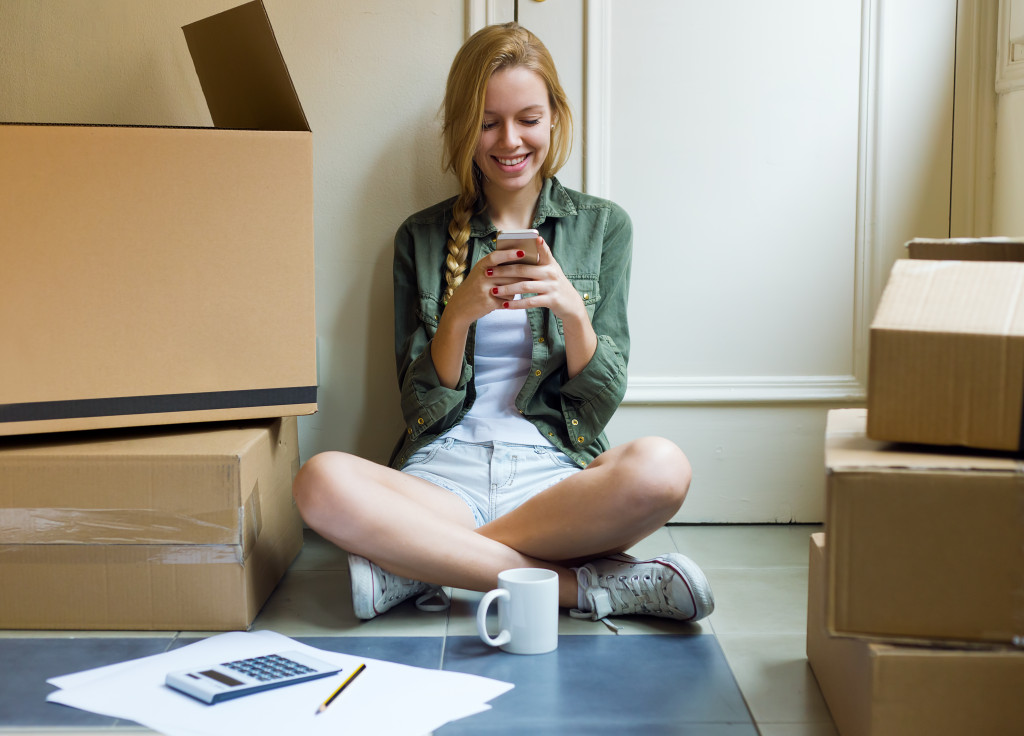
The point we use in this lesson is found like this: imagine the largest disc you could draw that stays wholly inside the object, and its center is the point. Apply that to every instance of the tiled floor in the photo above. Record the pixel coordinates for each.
(743, 671)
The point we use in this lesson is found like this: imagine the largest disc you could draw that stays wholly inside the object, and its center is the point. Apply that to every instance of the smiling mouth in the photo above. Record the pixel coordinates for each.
(511, 161)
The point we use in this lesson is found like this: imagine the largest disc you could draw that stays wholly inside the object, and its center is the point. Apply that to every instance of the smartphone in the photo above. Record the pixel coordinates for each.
(524, 240)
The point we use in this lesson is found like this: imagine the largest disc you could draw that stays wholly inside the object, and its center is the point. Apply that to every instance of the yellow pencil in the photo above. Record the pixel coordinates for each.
(342, 686)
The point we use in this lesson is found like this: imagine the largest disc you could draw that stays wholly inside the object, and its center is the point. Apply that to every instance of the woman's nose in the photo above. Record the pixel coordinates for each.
(509, 135)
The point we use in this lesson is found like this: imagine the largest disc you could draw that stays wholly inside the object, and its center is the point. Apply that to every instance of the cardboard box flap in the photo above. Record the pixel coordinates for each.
(847, 449)
(242, 72)
(967, 249)
(953, 297)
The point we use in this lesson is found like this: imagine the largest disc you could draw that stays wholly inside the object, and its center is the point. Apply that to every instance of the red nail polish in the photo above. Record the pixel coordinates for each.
(505, 305)
(494, 290)
(490, 271)
(520, 253)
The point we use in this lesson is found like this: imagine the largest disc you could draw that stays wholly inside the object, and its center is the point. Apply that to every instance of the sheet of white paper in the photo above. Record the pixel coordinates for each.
(135, 690)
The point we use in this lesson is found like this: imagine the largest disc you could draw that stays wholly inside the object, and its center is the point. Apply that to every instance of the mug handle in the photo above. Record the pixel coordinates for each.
(504, 636)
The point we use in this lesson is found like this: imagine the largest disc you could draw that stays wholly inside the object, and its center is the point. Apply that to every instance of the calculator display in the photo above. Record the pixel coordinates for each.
(221, 677)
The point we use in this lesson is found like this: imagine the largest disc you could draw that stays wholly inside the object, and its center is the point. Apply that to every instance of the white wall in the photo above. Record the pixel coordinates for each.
(774, 156)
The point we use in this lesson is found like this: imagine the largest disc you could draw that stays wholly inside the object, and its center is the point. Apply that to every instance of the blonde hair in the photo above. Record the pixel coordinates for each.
(490, 49)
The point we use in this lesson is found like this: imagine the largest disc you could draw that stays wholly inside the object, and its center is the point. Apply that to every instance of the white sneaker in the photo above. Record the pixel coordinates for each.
(671, 586)
(375, 591)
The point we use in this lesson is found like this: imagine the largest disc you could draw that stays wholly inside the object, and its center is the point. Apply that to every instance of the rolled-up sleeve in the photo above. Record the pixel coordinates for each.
(590, 398)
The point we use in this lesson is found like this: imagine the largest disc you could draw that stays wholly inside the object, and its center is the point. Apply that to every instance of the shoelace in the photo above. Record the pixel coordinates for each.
(435, 591)
(622, 594)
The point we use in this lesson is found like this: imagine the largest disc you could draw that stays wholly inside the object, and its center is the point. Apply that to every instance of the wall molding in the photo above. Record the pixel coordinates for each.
(597, 110)
(974, 119)
(644, 390)
(480, 13)
(1009, 72)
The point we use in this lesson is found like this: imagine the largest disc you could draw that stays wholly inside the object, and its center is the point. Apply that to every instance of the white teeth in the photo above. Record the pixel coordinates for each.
(511, 161)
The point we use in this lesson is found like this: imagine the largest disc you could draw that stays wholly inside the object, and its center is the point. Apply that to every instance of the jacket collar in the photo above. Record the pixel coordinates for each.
(554, 201)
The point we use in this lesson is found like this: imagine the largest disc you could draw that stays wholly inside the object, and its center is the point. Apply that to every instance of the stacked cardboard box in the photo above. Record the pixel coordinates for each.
(157, 276)
(916, 596)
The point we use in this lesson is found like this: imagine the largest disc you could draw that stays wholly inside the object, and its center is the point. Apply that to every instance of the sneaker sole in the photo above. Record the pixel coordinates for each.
(689, 572)
(360, 571)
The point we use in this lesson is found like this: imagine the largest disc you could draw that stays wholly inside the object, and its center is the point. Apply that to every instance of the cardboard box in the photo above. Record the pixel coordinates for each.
(187, 529)
(947, 347)
(875, 689)
(922, 544)
(967, 249)
(161, 275)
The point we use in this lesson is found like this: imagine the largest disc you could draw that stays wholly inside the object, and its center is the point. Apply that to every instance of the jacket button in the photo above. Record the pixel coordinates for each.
(586, 296)
(419, 421)
(410, 430)
(580, 439)
(536, 372)
(540, 339)
(575, 422)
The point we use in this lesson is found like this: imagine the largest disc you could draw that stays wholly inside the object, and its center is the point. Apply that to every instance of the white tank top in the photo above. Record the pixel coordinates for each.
(502, 355)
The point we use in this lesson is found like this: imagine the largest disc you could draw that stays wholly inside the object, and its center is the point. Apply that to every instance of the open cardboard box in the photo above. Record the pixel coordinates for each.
(947, 346)
(156, 275)
(186, 528)
(922, 544)
(875, 689)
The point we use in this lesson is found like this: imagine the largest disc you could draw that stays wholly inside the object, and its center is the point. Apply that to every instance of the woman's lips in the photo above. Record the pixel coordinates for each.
(511, 164)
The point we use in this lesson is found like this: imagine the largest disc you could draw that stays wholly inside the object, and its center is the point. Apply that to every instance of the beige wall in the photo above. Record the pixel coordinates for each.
(370, 75)
(764, 230)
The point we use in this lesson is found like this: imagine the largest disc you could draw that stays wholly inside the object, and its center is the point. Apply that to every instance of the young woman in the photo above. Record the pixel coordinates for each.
(508, 374)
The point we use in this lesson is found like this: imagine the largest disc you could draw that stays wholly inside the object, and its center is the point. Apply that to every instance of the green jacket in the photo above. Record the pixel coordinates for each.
(592, 240)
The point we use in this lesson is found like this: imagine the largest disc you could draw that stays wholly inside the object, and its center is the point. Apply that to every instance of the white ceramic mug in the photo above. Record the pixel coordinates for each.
(527, 611)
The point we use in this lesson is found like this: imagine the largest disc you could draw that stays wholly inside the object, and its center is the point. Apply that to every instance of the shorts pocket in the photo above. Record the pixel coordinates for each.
(559, 459)
(423, 455)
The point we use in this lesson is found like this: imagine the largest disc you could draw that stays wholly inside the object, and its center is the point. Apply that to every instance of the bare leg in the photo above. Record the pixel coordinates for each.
(406, 525)
(415, 529)
(626, 494)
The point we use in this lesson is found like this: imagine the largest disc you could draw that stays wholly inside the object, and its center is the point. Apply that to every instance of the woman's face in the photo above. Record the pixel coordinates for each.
(516, 132)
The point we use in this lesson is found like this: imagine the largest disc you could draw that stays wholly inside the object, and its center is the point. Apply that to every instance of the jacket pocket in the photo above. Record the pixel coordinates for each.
(589, 291)
(428, 311)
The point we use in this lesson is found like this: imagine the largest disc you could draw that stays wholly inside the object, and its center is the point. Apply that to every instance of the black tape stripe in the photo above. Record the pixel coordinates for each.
(33, 411)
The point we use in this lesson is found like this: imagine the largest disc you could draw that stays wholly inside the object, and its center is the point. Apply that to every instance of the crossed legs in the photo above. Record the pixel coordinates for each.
(417, 530)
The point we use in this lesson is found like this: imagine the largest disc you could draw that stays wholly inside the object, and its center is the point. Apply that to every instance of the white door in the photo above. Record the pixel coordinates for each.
(774, 156)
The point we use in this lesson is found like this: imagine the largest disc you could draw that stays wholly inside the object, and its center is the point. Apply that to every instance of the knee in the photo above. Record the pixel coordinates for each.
(317, 482)
(659, 473)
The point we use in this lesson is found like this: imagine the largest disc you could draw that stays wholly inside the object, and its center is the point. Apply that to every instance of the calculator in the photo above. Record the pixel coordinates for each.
(247, 676)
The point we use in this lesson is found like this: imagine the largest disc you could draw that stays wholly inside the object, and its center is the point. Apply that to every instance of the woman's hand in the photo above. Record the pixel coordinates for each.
(478, 293)
(544, 281)
(548, 287)
(475, 297)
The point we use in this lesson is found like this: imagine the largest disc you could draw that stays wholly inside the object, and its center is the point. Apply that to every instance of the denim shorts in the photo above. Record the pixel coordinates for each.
(493, 478)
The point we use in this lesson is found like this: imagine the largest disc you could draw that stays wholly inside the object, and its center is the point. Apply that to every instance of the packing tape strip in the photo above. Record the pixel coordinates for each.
(170, 554)
(109, 526)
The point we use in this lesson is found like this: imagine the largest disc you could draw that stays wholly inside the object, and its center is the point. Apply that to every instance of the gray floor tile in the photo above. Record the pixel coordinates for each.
(600, 684)
(23, 690)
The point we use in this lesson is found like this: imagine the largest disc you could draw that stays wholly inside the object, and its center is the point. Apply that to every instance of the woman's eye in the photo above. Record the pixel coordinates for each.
(487, 126)
(532, 122)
